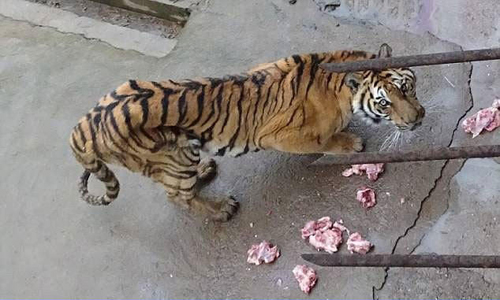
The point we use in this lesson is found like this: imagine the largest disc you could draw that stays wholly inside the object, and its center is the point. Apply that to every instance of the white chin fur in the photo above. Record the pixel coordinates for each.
(363, 116)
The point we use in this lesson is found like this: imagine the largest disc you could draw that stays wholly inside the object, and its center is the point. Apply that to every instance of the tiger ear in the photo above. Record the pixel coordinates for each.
(353, 80)
(384, 51)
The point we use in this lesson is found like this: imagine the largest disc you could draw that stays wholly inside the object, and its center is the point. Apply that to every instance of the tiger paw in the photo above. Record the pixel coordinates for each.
(357, 143)
(207, 169)
(227, 208)
(350, 142)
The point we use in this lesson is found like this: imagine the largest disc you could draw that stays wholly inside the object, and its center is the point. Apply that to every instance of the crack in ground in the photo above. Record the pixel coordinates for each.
(374, 290)
(471, 106)
(447, 204)
(451, 141)
(386, 270)
(449, 144)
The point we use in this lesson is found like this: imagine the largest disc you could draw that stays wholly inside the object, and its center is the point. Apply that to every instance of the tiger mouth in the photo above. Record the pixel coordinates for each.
(409, 127)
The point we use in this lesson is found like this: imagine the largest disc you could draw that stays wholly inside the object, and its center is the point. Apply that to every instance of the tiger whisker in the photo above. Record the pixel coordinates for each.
(396, 140)
(382, 147)
(432, 107)
(386, 142)
(400, 141)
(391, 142)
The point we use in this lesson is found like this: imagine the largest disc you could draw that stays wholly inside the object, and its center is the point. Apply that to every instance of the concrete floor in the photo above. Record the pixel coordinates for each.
(55, 246)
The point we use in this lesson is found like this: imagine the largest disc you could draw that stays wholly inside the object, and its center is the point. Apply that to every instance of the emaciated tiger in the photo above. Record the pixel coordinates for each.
(290, 105)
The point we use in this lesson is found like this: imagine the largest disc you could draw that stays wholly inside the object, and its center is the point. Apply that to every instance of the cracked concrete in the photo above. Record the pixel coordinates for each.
(467, 225)
(142, 246)
(471, 26)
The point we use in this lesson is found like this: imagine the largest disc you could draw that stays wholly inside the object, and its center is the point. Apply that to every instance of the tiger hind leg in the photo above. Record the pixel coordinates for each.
(179, 173)
(173, 139)
(207, 169)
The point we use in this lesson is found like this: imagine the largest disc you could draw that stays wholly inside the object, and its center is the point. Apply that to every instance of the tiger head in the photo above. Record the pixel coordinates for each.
(386, 95)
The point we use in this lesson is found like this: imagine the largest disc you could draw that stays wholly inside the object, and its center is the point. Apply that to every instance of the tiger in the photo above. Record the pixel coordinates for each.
(292, 105)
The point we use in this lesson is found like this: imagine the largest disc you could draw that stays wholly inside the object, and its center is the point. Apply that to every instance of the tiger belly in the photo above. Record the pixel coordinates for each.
(220, 149)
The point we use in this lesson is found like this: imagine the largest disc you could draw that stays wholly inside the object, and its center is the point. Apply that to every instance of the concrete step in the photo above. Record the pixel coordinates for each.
(122, 37)
(171, 10)
(180, 3)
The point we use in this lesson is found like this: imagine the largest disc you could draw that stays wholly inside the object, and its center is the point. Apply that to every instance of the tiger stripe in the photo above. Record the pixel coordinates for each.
(291, 105)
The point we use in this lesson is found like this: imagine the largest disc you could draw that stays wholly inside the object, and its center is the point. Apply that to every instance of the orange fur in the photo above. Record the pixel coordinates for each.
(290, 105)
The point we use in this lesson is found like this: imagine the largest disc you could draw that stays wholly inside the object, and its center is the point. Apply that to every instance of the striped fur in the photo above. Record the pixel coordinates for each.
(291, 105)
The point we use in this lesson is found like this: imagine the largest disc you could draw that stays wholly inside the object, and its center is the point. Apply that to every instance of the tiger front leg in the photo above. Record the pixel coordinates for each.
(343, 142)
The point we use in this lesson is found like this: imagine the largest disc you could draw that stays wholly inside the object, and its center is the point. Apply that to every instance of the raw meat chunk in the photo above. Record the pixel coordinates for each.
(371, 170)
(357, 244)
(340, 225)
(496, 103)
(308, 230)
(495, 123)
(263, 252)
(485, 119)
(323, 224)
(306, 277)
(349, 172)
(328, 240)
(312, 226)
(367, 197)
(323, 234)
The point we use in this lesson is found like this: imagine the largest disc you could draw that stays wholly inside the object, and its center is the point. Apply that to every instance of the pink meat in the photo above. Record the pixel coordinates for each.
(306, 277)
(328, 240)
(340, 226)
(323, 234)
(312, 226)
(357, 244)
(366, 196)
(308, 230)
(485, 119)
(348, 172)
(324, 224)
(371, 170)
(495, 123)
(496, 103)
(263, 252)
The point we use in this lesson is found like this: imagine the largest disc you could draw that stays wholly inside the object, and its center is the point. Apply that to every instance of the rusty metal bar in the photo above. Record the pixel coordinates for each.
(439, 153)
(403, 261)
(414, 60)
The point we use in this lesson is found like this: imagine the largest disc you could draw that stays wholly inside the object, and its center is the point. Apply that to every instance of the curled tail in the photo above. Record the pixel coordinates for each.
(81, 140)
(104, 174)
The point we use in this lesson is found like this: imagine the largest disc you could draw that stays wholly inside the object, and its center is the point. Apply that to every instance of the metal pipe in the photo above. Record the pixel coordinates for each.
(439, 153)
(404, 261)
(414, 60)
